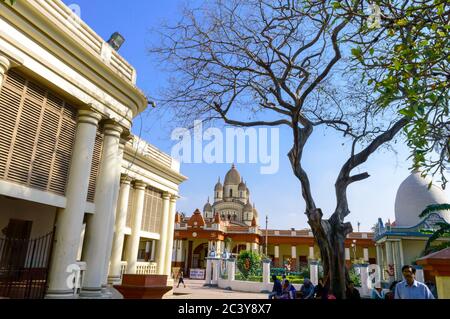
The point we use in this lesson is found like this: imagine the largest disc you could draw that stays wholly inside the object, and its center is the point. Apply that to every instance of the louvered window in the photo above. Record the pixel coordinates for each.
(37, 135)
(151, 219)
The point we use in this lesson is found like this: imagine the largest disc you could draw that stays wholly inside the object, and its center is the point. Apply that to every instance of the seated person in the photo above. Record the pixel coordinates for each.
(307, 290)
(289, 291)
(277, 289)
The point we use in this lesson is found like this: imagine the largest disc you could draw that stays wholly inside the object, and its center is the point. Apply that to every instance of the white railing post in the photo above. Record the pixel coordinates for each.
(266, 271)
(314, 272)
(231, 264)
(208, 271)
(364, 275)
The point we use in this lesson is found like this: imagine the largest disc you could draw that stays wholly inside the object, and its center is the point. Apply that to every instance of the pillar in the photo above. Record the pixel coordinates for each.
(254, 247)
(397, 260)
(119, 235)
(70, 219)
(4, 67)
(133, 240)
(311, 252)
(248, 246)
(215, 271)
(169, 235)
(419, 273)
(231, 269)
(364, 278)
(294, 258)
(266, 272)
(113, 216)
(366, 254)
(152, 257)
(162, 243)
(379, 255)
(390, 261)
(208, 272)
(314, 272)
(99, 225)
(276, 259)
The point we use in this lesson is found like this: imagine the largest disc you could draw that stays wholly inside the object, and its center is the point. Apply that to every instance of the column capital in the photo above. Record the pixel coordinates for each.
(173, 198)
(140, 185)
(125, 179)
(112, 128)
(166, 195)
(89, 116)
(5, 64)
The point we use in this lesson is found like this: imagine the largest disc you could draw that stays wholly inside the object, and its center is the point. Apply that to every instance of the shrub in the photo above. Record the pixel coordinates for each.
(248, 263)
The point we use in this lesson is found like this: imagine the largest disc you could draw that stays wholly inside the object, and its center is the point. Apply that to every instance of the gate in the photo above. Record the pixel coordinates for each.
(24, 266)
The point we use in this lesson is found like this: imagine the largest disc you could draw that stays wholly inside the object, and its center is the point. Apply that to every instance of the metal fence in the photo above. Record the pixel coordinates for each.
(24, 266)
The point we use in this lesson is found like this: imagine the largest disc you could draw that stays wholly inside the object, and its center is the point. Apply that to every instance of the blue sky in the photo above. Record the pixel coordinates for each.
(277, 195)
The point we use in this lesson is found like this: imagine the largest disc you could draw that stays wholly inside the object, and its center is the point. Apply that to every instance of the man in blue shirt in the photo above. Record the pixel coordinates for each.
(410, 288)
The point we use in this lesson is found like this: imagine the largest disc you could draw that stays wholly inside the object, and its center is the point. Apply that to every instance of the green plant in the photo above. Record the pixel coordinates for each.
(354, 276)
(11, 2)
(248, 263)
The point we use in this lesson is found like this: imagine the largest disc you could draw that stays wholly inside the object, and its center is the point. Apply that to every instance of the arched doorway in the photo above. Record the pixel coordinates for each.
(198, 256)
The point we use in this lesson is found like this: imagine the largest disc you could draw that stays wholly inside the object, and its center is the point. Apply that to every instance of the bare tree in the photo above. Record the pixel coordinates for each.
(276, 63)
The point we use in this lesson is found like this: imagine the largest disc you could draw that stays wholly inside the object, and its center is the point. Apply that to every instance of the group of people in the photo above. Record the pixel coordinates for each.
(285, 290)
(409, 288)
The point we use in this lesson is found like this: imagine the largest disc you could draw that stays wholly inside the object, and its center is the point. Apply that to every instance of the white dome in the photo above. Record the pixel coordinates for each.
(413, 196)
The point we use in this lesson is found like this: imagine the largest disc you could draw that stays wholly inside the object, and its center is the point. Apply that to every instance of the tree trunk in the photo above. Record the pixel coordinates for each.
(330, 235)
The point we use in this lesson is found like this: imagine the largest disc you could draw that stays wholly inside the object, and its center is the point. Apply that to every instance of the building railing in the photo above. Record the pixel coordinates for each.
(145, 268)
(65, 19)
(150, 151)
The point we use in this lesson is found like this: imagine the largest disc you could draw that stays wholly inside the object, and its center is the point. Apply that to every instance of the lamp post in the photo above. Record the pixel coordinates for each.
(265, 246)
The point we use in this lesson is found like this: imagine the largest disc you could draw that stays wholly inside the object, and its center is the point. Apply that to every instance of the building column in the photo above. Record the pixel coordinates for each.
(119, 235)
(366, 254)
(294, 258)
(169, 235)
(255, 247)
(390, 260)
(152, 257)
(70, 219)
(311, 252)
(99, 226)
(113, 216)
(5, 64)
(397, 260)
(162, 243)
(276, 257)
(138, 211)
(379, 254)
(248, 246)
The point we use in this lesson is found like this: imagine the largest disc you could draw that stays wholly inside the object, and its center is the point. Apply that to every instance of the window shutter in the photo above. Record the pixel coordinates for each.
(95, 167)
(38, 132)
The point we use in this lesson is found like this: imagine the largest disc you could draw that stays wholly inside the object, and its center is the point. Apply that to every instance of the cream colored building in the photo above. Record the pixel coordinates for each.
(403, 241)
(76, 188)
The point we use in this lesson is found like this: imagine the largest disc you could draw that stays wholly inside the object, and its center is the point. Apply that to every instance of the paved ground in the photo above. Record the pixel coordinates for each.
(195, 290)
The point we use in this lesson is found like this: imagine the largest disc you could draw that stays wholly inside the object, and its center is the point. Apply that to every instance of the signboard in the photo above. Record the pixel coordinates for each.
(196, 273)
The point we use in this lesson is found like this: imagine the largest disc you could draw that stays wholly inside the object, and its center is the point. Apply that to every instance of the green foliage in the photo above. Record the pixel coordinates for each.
(248, 263)
(355, 277)
(11, 2)
(406, 62)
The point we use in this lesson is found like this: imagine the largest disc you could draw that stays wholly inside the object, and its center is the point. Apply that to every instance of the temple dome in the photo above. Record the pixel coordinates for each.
(242, 187)
(218, 186)
(413, 196)
(232, 177)
(207, 207)
(248, 207)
